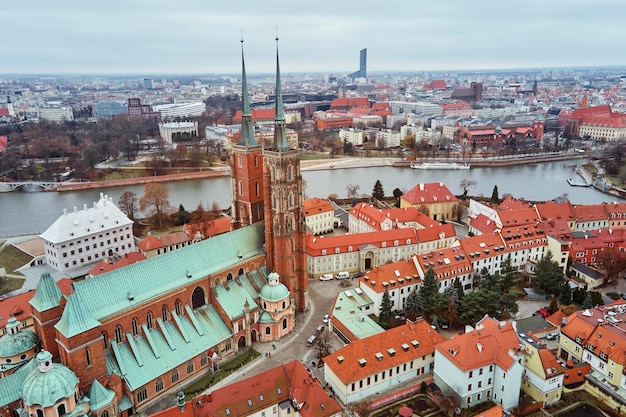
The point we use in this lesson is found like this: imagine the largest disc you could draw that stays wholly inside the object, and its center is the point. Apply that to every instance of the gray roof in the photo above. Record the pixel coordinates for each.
(587, 270)
(113, 292)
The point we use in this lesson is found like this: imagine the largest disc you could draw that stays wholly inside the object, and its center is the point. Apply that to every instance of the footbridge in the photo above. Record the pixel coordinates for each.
(29, 186)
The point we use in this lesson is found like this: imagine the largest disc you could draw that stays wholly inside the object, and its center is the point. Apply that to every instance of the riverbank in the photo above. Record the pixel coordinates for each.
(495, 162)
(76, 186)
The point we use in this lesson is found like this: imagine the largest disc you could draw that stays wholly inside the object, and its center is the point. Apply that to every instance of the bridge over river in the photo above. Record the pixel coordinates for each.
(29, 186)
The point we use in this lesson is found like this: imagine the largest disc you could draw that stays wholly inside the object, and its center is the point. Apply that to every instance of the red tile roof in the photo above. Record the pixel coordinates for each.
(350, 102)
(483, 223)
(391, 341)
(489, 343)
(316, 244)
(589, 213)
(430, 193)
(208, 229)
(291, 381)
(104, 266)
(552, 210)
(316, 205)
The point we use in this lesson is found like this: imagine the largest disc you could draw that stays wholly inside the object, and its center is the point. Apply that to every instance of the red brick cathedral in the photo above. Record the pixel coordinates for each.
(267, 186)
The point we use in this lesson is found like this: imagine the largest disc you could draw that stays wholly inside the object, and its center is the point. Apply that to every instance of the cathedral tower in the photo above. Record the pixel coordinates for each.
(247, 166)
(285, 230)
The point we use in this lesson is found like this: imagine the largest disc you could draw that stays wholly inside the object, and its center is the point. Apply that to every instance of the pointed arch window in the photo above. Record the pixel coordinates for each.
(174, 375)
(118, 333)
(142, 394)
(240, 187)
(203, 359)
(105, 413)
(189, 367)
(149, 319)
(159, 385)
(179, 308)
(39, 412)
(257, 188)
(284, 323)
(290, 173)
(197, 298)
(135, 326)
(240, 161)
(105, 340)
(87, 356)
(256, 161)
(164, 314)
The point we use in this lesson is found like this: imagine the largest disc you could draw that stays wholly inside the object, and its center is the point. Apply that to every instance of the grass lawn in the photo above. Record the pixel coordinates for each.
(12, 258)
(225, 369)
(10, 284)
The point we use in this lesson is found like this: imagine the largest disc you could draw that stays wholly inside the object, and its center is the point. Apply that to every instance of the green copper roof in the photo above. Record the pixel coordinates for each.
(280, 134)
(11, 385)
(233, 295)
(99, 397)
(48, 295)
(266, 318)
(75, 319)
(274, 292)
(150, 279)
(247, 130)
(20, 342)
(45, 385)
(349, 309)
(162, 348)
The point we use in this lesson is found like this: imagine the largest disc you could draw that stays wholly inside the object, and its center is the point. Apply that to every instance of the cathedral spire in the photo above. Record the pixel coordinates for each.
(280, 135)
(247, 130)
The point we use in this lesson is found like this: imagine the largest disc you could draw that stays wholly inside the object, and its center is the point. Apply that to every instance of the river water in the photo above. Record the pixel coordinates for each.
(24, 213)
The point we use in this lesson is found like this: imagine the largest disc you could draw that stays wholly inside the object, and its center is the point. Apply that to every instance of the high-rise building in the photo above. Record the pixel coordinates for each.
(362, 72)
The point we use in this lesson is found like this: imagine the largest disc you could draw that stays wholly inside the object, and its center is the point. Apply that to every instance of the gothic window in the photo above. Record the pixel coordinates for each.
(240, 272)
(197, 298)
(284, 324)
(39, 412)
(159, 385)
(189, 367)
(105, 340)
(88, 356)
(135, 326)
(257, 188)
(142, 394)
(256, 161)
(105, 413)
(118, 333)
(239, 161)
(203, 359)
(274, 203)
(290, 173)
(240, 187)
(179, 308)
(291, 200)
(174, 375)
(149, 320)
(164, 314)
(268, 330)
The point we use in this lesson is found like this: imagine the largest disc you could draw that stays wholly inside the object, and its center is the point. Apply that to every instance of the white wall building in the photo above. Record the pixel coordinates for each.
(56, 114)
(169, 131)
(180, 110)
(355, 137)
(84, 237)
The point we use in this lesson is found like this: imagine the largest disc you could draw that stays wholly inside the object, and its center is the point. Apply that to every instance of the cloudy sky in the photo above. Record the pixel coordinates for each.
(202, 36)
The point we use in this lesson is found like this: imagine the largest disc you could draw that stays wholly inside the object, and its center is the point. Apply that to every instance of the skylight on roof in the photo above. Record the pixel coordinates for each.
(397, 273)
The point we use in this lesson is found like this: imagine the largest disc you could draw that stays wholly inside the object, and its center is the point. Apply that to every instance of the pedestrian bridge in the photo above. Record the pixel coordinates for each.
(29, 186)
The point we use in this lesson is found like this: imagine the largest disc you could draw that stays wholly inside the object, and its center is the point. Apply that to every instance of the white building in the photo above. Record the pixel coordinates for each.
(387, 139)
(486, 363)
(56, 114)
(417, 107)
(355, 137)
(180, 110)
(319, 215)
(172, 131)
(84, 237)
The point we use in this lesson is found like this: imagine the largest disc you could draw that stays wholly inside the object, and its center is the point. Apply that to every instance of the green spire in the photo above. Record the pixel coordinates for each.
(280, 136)
(99, 397)
(75, 319)
(47, 295)
(247, 131)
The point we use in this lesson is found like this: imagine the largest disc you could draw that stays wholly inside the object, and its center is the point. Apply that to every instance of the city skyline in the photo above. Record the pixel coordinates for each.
(194, 37)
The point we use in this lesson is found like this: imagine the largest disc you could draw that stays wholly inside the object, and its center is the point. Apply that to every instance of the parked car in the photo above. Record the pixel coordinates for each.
(542, 313)
(552, 335)
(311, 340)
(326, 277)
(325, 318)
(358, 274)
(343, 275)
(320, 328)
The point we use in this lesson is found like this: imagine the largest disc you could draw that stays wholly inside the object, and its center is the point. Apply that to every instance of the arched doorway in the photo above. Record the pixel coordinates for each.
(197, 298)
(241, 343)
(253, 335)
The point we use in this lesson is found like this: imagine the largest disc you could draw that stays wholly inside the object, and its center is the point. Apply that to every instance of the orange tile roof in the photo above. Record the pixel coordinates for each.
(374, 216)
(283, 383)
(589, 213)
(316, 205)
(511, 203)
(448, 263)
(316, 244)
(518, 217)
(396, 272)
(489, 343)
(430, 193)
(208, 229)
(495, 411)
(394, 347)
(17, 306)
(483, 223)
(482, 246)
(104, 266)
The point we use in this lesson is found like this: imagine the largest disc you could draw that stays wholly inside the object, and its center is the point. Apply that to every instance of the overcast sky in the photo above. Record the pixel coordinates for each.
(202, 36)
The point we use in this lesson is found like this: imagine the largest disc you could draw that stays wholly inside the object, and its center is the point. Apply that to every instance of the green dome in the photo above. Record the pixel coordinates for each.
(49, 383)
(498, 129)
(15, 342)
(274, 293)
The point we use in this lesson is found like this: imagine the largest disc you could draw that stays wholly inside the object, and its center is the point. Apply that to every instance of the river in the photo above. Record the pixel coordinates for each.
(24, 213)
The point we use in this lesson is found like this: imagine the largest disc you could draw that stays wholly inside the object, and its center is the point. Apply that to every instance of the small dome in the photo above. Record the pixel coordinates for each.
(14, 343)
(266, 318)
(498, 129)
(48, 383)
(274, 293)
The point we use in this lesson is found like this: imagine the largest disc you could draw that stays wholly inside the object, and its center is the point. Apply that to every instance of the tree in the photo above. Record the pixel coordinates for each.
(472, 308)
(128, 204)
(507, 275)
(565, 295)
(430, 299)
(378, 191)
(352, 190)
(397, 193)
(554, 305)
(385, 310)
(613, 262)
(155, 202)
(465, 185)
(494, 195)
(411, 304)
(182, 216)
(588, 303)
(548, 275)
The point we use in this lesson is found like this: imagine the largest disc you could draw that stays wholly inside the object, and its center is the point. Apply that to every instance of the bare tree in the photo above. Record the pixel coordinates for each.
(352, 190)
(128, 204)
(155, 202)
(466, 184)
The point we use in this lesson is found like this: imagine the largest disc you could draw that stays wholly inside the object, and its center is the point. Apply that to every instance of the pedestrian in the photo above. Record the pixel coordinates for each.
(270, 353)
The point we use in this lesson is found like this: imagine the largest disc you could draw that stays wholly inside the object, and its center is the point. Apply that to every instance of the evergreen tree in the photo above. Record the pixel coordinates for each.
(459, 292)
(507, 275)
(508, 304)
(565, 295)
(490, 282)
(378, 191)
(451, 313)
(554, 305)
(182, 216)
(385, 310)
(495, 199)
(588, 303)
(472, 308)
(431, 300)
(411, 304)
(548, 276)
(397, 192)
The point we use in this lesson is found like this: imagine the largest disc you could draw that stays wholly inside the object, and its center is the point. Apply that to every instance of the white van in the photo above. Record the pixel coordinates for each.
(326, 277)
(343, 275)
